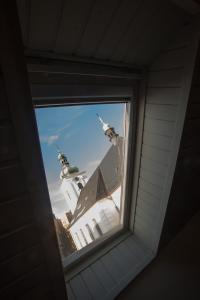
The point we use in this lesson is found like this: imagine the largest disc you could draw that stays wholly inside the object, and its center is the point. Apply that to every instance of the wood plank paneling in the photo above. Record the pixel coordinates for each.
(103, 276)
(111, 266)
(119, 24)
(25, 283)
(12, 173)
(22, 238)
(170, 59)
(95, 287)
(95, 28)
(4, 111)
(184, 196)
(159, 127)
(166, 78)
(158, 141)
(157, 155)
(80, 289)
(19, 265)
(20, 213)
(44, 22)
(168, 89)
(152, 177)
(70, 293)
(151, 165)
(154, 202)
(72, 25)
(161, 112)
(150, 188)
(8, 149)
(30, 263)
(163, 95)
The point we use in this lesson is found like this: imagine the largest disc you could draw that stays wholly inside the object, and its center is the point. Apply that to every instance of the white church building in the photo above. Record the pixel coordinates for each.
(94, 203)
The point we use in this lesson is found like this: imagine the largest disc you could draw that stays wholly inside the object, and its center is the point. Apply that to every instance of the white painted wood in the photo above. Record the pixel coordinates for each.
(147, 221)
(138, 149)
(169, 60)
(120, 259)
(103, 276)
(144, 196)
(151, 177)
(151, 165)
(70, 30)
(161, 139)
(161, 112)
(131, 274)
(156, 164)
(44, 20)
(142, 232)
(157, 141)
(159, 127)
(157, 155)
(95, 288)
(163, 95)
(166, 78)
(146, 210)
(152, 189)
(136, 250)
(70, 293)
(186, 85)
(111, 266)
(79, 289)
(126, 253)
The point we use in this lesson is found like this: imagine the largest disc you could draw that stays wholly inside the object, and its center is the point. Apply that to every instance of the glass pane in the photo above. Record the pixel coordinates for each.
(83, 150)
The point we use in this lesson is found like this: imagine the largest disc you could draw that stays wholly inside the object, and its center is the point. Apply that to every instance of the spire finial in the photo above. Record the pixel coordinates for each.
(105, 125)
(108, 130)
(100, 119)
(57, 148)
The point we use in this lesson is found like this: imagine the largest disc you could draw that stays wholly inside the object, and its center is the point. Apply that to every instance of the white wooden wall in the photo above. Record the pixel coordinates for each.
(167, 94)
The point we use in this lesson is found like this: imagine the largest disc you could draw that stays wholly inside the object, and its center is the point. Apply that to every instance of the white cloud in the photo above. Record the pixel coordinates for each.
(67, 125)
(58, 202)
(49, 139)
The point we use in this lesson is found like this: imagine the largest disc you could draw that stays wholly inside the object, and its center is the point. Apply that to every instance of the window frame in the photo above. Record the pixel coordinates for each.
(95, 248)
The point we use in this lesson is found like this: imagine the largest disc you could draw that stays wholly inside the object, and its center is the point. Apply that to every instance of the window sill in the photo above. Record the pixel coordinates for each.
(121, 260)
(80, 260)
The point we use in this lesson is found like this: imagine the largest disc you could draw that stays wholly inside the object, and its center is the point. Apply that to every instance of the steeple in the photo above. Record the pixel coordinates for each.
(67, 170)
(109, 131)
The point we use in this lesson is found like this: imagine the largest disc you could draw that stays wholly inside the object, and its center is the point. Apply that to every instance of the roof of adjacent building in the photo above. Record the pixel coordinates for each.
(103, 182)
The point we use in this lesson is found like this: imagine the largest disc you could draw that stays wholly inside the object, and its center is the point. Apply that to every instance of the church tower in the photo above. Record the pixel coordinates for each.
(109, 131)
(73, 181)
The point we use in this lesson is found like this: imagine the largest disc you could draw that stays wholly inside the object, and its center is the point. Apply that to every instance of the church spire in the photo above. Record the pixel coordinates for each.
(67, 170)
(108, 131)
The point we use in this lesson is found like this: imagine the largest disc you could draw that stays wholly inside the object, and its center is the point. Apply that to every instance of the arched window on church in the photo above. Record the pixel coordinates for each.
(84, 237)
(90, 232)
(96, 225)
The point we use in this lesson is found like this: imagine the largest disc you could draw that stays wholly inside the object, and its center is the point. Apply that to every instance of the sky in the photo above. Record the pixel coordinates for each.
(78, 133)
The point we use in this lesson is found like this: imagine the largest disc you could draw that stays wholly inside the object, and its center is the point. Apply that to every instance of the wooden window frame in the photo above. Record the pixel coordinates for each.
(102, 94)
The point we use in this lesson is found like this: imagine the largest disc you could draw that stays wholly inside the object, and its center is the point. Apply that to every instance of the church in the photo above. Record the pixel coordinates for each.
(94, 203)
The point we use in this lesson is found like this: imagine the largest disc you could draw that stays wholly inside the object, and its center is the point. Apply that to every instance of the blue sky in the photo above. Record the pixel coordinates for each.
(78, 133)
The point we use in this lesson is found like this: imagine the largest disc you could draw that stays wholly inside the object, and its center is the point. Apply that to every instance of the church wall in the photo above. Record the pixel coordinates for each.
(105, 214)
(70, 193)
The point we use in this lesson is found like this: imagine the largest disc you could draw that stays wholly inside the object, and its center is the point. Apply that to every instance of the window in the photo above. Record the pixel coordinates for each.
(84, 150)
(97, 227)
(83, 235)
(90, 232)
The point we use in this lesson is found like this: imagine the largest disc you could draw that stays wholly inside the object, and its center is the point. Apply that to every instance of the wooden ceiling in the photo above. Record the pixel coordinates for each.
(126, 31)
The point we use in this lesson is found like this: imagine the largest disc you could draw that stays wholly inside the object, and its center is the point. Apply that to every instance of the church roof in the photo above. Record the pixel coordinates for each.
(103, 182)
